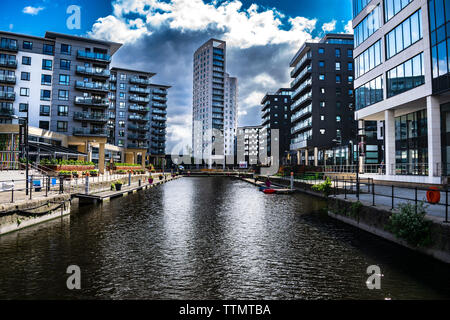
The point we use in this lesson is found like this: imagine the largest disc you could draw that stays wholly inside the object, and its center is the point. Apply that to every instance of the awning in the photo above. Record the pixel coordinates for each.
(44, 149)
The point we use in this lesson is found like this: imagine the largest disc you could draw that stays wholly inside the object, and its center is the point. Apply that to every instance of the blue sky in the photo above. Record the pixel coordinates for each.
(161, 36)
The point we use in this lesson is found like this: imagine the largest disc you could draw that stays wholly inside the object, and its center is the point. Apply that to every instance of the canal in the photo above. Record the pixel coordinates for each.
(210, 238)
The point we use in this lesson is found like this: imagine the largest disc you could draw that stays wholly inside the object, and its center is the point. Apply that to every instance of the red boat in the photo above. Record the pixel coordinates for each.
(269, 191)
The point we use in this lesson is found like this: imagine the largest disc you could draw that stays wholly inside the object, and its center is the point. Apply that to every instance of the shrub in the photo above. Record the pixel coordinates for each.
(355, 209)
(46, 162)
(119, 182)
(65, 173)
(410, 225)
(324, 187)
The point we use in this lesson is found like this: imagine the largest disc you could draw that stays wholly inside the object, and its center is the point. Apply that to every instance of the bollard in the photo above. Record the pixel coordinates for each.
(129, 178)
(373, 194)
(86, 186)
(415, 199)
(61, 184)
(446, 205)
(392, 197)
(12, 192)
(345, 189)
(30, 185)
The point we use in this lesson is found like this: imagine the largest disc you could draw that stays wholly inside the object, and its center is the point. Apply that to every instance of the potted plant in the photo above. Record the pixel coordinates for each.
(113, 186)
(93, 173)
(118, 185)
(161, 177)
(150, 180)
(75, 174)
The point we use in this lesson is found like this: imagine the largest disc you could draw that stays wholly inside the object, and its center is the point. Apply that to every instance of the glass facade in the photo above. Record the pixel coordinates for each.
(406, 76)
(369, 93)
(445, 138)
(404, 35)
(368, 26)
(358, 5)
(439, 15)
(392, 7)
(368, 60)
(411, 144)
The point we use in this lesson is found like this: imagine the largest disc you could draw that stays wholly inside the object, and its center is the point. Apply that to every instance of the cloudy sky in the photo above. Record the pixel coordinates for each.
(161, 36)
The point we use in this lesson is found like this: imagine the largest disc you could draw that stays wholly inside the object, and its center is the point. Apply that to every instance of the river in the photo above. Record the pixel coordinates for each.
(210, 238)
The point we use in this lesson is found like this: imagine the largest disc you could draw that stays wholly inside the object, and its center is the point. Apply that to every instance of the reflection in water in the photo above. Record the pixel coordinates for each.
(210, 238)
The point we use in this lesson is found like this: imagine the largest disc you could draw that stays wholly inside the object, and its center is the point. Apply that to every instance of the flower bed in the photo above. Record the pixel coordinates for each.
(67, 165)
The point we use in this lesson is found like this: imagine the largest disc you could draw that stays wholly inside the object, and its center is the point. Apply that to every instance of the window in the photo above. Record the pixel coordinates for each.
(350, 79)
(23, 107)
(65, 48)
(349, 66)
(321, 50)
(358, 5)
(122, 105)
(46, 64)
(44, 125)
(46, 79)
(322, 131)
(45, 95)
(24, 92)
(322, 118)
(64, 79)
(63, 111)
(322, 104)
(368, 26)
(28, 45)
(321, 64)
(48, 49)
(369, 93)
(350, 92)
(321, 77)
(406, 76)
(123, 76)
(322, 90)
(122, 86)
(63, 95)
(392, 7)
(64, 64)
(338, 66)
(338, 105)
(368, 59)
(25, 76)
(337, 53)
(338, 79)
(26, 60)
(61, 126)
(338, 92)
(44, 110)
(349, 53)
(404, 35)
(338, 118)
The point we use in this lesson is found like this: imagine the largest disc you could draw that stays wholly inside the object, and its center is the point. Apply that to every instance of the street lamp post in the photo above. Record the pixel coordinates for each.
(26, 145)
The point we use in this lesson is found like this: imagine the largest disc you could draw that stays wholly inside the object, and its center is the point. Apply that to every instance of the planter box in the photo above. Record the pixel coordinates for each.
(70, 167)
(118, 187)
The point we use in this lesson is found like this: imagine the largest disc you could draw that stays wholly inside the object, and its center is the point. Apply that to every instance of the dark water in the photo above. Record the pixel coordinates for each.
(210, 238)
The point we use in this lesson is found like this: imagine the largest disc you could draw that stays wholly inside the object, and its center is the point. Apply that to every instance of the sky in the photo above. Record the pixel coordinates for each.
(161, 36)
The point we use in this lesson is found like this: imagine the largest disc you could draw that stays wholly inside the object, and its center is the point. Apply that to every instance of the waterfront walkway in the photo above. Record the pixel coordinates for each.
(381, 195)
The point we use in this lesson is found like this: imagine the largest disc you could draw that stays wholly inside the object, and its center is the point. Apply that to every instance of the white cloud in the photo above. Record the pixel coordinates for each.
(241, 28)
(329, 26)
(32, 10)
(349, 27)
(11, 26)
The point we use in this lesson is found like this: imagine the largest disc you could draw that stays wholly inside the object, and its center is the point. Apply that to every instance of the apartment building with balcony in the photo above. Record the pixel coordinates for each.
(251, 143)
(402, 78)
(322, 125)
(276, 114)
(65, 86)
(214, 104)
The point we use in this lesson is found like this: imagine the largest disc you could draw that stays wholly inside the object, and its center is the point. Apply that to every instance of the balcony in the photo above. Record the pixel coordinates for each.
(9, 46)
(6, 112)
(92, 86)
(138, 99)
(156, 111)
(138, 108)
(301, 76)
(139, 118)
(300, 64)
(140, 90)
(158, 125)
(136, 146)
(93, 56)
(87, 132)
(136, 80)
(94, 72)
(158, 98)
(159, 91)
(301, 88)
(160, 119)
(8, 63)
(134, 127)
(158, 139)
(133, 136)
(159, 132)
(159, 105)
(306, 97)
(113, 78)
(92, 101)
(4, 78)
(92, 117)
(9, 96)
